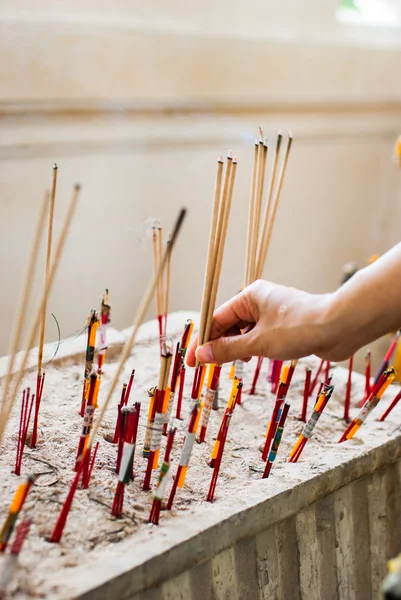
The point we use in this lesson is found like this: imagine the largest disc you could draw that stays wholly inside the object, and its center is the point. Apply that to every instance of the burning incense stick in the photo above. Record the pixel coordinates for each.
(307, 431)
(14, 511)
(375, 396)
(139, 317)
(157, 254)
(282, 391)
(347, 401)
(160, 491)
(218, 448)
(167, 292)
(40, 375)
(105, 310)
(9, 399)
(92, 325)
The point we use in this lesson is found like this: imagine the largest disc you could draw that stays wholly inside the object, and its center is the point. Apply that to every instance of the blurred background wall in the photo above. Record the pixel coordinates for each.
(136, 100)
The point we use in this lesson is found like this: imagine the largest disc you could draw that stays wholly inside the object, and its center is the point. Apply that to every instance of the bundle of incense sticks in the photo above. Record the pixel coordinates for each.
(261, 219)
(218, 448)
(347, 402)
(25, 417)
(105, 310)
(217, 238)
(11, 559)
(129, 430)
(162, 294)
(125, 395)
(186, 337)
(186, 451)
(375, 396)
(40, 378)
(323, 398)
(157, 419)
(92, 324)
(282, 392)
(211, 388)
(160, 490)
(10, 391)
(14, 511)
(308, 373)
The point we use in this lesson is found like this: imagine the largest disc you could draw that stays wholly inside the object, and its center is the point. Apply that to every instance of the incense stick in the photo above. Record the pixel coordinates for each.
(9, 402)
(139, 317)
(48, 258)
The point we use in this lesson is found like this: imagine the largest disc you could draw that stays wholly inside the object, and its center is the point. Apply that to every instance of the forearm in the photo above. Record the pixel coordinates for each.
(367, 306)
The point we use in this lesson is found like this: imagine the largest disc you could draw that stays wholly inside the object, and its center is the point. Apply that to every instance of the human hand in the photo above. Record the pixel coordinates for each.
(277, 322)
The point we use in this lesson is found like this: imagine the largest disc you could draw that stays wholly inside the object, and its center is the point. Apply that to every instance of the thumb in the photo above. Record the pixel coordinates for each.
(227, 349)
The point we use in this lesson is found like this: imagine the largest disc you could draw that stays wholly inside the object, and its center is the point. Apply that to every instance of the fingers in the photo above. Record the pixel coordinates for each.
(227, 349)
(233, 313)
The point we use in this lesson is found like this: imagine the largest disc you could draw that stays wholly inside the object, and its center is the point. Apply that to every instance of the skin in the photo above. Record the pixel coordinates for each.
(285, 323)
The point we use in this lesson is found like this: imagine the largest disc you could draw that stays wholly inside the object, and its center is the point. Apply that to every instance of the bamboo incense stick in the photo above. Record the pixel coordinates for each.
(266, 243)
(211, 252)
(9, 402)
(167, 293)
(248, 278)
(262, 251)
(139, 317)
(48, 259)
(23, 303)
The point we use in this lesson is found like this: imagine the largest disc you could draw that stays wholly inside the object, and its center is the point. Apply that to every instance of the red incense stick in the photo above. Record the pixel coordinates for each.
(40, 379)
(347, 401)
(390, 408)
(276, 372)
(62, 520)
(25, 417)
(308, 374)
(315, 380)
(387, 358)
(252, 391)
(367, 377)
(160, 490)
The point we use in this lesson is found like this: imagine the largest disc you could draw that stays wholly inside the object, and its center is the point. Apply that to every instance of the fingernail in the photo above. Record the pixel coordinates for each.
(205, 354)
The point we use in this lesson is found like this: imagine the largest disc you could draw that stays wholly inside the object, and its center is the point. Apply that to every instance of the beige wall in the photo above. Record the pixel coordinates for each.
(138, 103)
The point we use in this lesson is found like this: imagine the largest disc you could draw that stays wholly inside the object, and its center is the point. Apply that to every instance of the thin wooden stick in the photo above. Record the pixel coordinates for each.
(251, 216)
(262, 158)
(9, 402)
(168, 285)
(48, 257)
(139, 317)
(207, 286)
(276, 202)
(24, 301)
(159, 257)
(225, 208)
(266, 218)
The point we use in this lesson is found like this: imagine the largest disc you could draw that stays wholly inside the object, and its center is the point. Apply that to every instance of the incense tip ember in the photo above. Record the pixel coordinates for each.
(220, 159)
(230, 155)
(77, 187)
(290, 135)
(55, 167)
